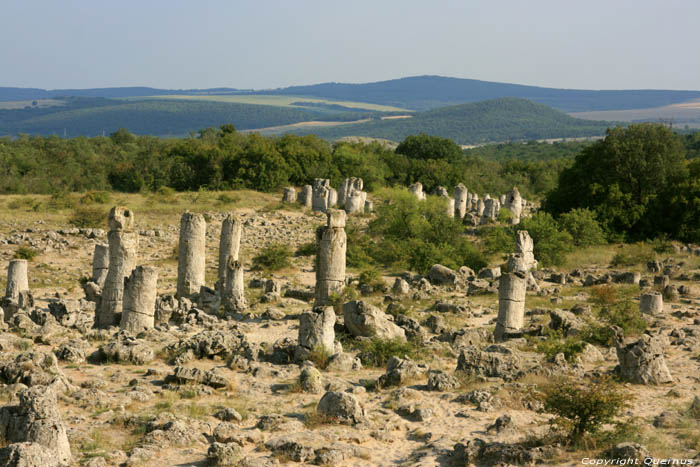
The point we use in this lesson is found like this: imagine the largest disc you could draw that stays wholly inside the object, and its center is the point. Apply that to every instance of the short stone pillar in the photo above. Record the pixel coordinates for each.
(289, 195)
(17, 294)
(316, 328)
(233, 296)
(491, 208)
(355, 202)
(526, 247)
(321, 195)
(348, 186)
(306, 196)
(642, 361)
(191, 254)
(461, 193)
(229, 245)
(514, 203)
(123, 247)
(651, 303)
(330, 262)
(480, 207)
(502, 200)
(140, 290)
(100, 264)
(417, 190)
(512, 289)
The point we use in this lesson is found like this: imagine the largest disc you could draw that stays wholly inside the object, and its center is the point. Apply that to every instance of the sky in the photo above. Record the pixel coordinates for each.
(261, 44)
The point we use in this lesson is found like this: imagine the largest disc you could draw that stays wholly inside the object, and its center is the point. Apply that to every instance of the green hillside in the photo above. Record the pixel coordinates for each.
(507, 119)
(95, 116)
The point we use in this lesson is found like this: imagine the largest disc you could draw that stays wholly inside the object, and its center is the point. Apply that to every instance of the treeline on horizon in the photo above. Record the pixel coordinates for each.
(593, 176)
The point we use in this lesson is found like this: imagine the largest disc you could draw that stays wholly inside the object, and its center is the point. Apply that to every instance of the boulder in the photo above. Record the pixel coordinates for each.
(342, 407)
(363, 319)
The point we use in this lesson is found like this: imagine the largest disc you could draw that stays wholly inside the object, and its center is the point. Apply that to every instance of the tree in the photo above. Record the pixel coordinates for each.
(423, 146)
(622, 177)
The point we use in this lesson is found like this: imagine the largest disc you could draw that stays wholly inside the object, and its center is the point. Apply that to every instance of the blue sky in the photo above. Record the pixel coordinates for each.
(591, 44)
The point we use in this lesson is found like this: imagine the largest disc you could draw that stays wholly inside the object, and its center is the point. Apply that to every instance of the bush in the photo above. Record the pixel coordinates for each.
(97, 197)
(623, 314)
(550, 243)
(88, 217)
(320, 356)
(273, 257)
(416, 235)
(632, 255)
(504, 215)
(372, 277)
(583, 227)
(582, 407)
(556, 343)
(497, 240)
(25, 252)
(376, 351)
(306, 249)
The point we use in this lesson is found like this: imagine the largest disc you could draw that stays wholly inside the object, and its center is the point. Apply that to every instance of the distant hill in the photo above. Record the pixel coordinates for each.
(95, 116)
(506, 119)
(22, 94)
(427, 92)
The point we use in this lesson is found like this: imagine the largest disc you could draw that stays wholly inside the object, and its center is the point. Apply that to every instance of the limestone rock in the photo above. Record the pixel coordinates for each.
(342, 407)
(363, 319)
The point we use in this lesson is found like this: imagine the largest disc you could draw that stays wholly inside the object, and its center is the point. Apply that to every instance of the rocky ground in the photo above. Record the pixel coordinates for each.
(211, 390)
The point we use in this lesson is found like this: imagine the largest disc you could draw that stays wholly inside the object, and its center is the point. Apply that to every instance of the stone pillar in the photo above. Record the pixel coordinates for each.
(289, 195)
(233, 295)
(490, 211)
(330, 261)
(123, 248)
(525, 247)
(502, 200)
(480, 206)
(511, 304)
(191, 254)
(651, 303)
(316, 328)
(100, 264)
(461, 193)
(139, 299)
(17, 279)
(306, 196)
(417, 190)
(321, 195)
(514, 203)
(355, 202)
(347, 187)
(229, 245)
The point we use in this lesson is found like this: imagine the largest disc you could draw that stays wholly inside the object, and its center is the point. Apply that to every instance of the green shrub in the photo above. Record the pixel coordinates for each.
(583, 227)
(60, 200)
(415, 235)
(25, 252)
(504, 215)
(632, 255)
(376, 351)
(306, 249)
(497, 240)
(273, 257)
(623, 314)
(372, 277)
(97, 197)
(556, 343)
(582, 407)
(550, 243)
(320, 357)
(88, 217)
(225, 198)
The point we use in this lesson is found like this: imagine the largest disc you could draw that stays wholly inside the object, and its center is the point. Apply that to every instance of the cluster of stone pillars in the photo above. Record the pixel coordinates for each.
(127, 293)
(321, 196)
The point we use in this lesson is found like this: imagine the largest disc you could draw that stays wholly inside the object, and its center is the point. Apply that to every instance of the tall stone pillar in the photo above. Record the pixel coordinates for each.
(461, 194)
(229, 245)
(322, 194)
(306, 196)
(512, 288)
(191, 254)
(330, 262)
(100, 264)
(514, 203)
(233, 295)
(123, 248)
(289, 195)
(139, 305)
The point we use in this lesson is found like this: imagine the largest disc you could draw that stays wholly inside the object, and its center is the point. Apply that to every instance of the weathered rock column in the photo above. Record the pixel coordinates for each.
(480, 206)
(140, 290)
(641, 362)
(491, 208)
(347, 187)
(100, 264)
(17, 279)
(417, 190)
(321, 195)
(525, 247)
(511, 304)
(330, 262)
(233, 295)
(289, 195)
(316, 328)
(651, 303)
(191, 254)
(229, 245)
(306, 196)
(123, 247)
(461, 193)
(355, 202)
(514, 203)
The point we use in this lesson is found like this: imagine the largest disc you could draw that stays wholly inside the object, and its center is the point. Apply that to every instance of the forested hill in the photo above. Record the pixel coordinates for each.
(427, 92)
(507, 119)
(20, 94)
